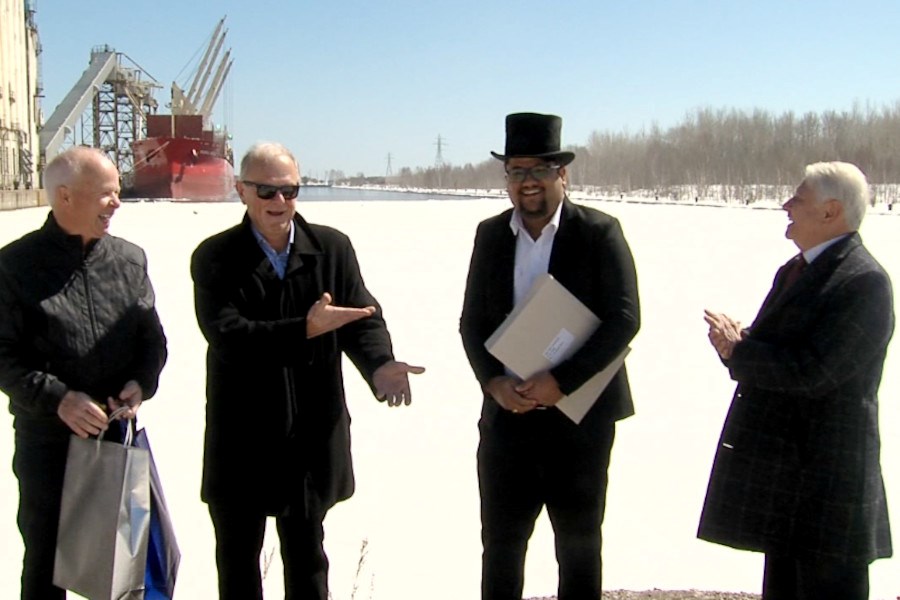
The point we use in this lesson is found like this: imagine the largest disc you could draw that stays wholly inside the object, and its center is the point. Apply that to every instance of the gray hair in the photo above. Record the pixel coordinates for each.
(68, 167)
(843, 182)
(262, 151)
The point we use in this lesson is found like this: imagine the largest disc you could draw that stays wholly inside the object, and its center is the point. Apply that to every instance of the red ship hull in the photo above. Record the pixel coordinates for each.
(184, 163)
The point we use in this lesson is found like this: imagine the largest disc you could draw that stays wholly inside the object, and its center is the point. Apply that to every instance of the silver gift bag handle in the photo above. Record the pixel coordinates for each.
(129, 428)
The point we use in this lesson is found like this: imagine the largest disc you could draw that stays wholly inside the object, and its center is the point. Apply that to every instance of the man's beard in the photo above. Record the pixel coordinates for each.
(541, 210)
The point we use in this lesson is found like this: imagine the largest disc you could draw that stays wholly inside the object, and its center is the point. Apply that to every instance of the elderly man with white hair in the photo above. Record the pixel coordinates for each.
(797, 474)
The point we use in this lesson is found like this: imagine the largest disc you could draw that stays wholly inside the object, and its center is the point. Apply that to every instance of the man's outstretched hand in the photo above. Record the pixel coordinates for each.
(323, 316)
(392, 382)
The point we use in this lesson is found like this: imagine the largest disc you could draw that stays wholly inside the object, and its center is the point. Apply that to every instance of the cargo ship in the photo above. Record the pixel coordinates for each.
(182, 160)
(184, 156)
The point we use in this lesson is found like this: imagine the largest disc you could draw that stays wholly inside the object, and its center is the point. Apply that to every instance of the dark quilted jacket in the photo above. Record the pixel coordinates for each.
(74, 321)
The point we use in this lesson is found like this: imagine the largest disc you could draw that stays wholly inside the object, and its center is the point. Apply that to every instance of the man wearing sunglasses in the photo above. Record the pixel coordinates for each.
(280, 300)
(531, 455)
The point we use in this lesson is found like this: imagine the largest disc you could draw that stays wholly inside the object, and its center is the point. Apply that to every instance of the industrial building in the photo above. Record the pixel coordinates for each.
(20, 94)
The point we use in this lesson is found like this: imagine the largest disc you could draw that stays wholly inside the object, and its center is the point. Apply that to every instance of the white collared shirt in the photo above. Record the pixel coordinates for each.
(532, 256)
(814, 252)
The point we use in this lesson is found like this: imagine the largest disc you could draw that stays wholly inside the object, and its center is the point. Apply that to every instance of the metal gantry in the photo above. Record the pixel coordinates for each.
(119, 111)
(108, 106)
(106, 109)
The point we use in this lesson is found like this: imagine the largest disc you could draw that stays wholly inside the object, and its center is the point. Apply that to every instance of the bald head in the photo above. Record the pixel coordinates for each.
(70, 167)
(82, 187)
(263, 152)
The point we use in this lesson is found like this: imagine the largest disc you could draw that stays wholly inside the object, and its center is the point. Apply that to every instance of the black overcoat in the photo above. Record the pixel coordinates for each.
(591, 258)
(797, 471)
(277, 427)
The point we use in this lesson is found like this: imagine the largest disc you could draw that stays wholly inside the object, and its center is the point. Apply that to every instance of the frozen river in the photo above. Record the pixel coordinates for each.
(416, 504)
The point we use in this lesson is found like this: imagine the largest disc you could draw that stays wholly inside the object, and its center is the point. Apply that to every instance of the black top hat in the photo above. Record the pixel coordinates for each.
(534, 135)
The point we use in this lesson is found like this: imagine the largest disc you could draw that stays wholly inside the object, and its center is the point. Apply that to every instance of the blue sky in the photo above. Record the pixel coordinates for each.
(344, 83)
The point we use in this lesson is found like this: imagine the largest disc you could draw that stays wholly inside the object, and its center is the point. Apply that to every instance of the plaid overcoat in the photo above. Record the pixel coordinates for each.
(797, 470)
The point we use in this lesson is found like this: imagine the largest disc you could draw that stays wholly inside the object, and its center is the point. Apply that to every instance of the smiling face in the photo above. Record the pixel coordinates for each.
(536, 200)
(85, 204)
(272, 218)
(809, 218)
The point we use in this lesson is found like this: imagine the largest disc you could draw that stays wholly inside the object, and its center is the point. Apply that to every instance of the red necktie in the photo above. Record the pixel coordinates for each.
(793, 272)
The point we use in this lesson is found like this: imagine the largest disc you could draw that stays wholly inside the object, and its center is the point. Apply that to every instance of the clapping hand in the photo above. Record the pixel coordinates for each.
(724, 332)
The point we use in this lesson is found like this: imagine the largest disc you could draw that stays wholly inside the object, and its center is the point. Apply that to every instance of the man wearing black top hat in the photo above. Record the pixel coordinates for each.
(530, 454)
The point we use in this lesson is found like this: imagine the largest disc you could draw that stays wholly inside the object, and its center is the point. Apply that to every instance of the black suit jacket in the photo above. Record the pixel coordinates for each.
(591, 258)
(797, 471)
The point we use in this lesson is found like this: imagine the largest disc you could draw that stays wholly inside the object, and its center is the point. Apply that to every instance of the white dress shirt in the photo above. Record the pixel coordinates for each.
(532, 256)
(814, 252)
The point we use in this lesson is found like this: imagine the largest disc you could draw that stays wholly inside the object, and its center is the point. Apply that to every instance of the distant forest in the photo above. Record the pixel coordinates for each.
(709, 151)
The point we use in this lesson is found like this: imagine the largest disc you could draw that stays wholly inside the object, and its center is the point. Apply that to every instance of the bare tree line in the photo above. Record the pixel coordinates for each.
(712, 152)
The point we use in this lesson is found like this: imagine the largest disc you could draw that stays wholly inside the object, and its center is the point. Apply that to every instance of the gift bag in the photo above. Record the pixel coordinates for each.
(104, 520)
(163, 555)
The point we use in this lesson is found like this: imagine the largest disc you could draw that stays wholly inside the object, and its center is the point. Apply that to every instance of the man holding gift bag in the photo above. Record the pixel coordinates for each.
(79, 336)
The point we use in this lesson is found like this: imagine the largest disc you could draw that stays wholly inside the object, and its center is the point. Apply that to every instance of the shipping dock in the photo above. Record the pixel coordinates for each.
(179, 155)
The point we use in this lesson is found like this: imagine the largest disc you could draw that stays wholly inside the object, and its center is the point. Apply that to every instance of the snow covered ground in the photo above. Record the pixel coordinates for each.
(416, 505)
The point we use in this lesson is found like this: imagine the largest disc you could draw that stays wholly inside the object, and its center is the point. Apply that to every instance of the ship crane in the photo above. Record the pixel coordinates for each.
(176, 155)
(202, 93)
(184, 156)
(218, 38)
(216, 88)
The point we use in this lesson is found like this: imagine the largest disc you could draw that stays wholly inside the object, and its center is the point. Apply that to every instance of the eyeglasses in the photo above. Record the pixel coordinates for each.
(539, 172)
(266, 191)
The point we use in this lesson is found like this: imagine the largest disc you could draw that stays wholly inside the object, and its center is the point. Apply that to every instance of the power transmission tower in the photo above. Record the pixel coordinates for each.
(439, 157)
(389, 171)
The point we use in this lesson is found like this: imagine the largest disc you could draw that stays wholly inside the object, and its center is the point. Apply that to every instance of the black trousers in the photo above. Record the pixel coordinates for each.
(543, 461)
(788, 578)
(239, 539)
(40, 466)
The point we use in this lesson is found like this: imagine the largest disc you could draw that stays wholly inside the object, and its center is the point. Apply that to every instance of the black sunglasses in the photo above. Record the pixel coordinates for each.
(266, 191)
(539, 172)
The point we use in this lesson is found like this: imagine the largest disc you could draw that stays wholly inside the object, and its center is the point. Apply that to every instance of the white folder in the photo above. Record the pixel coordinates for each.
(547, 327)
